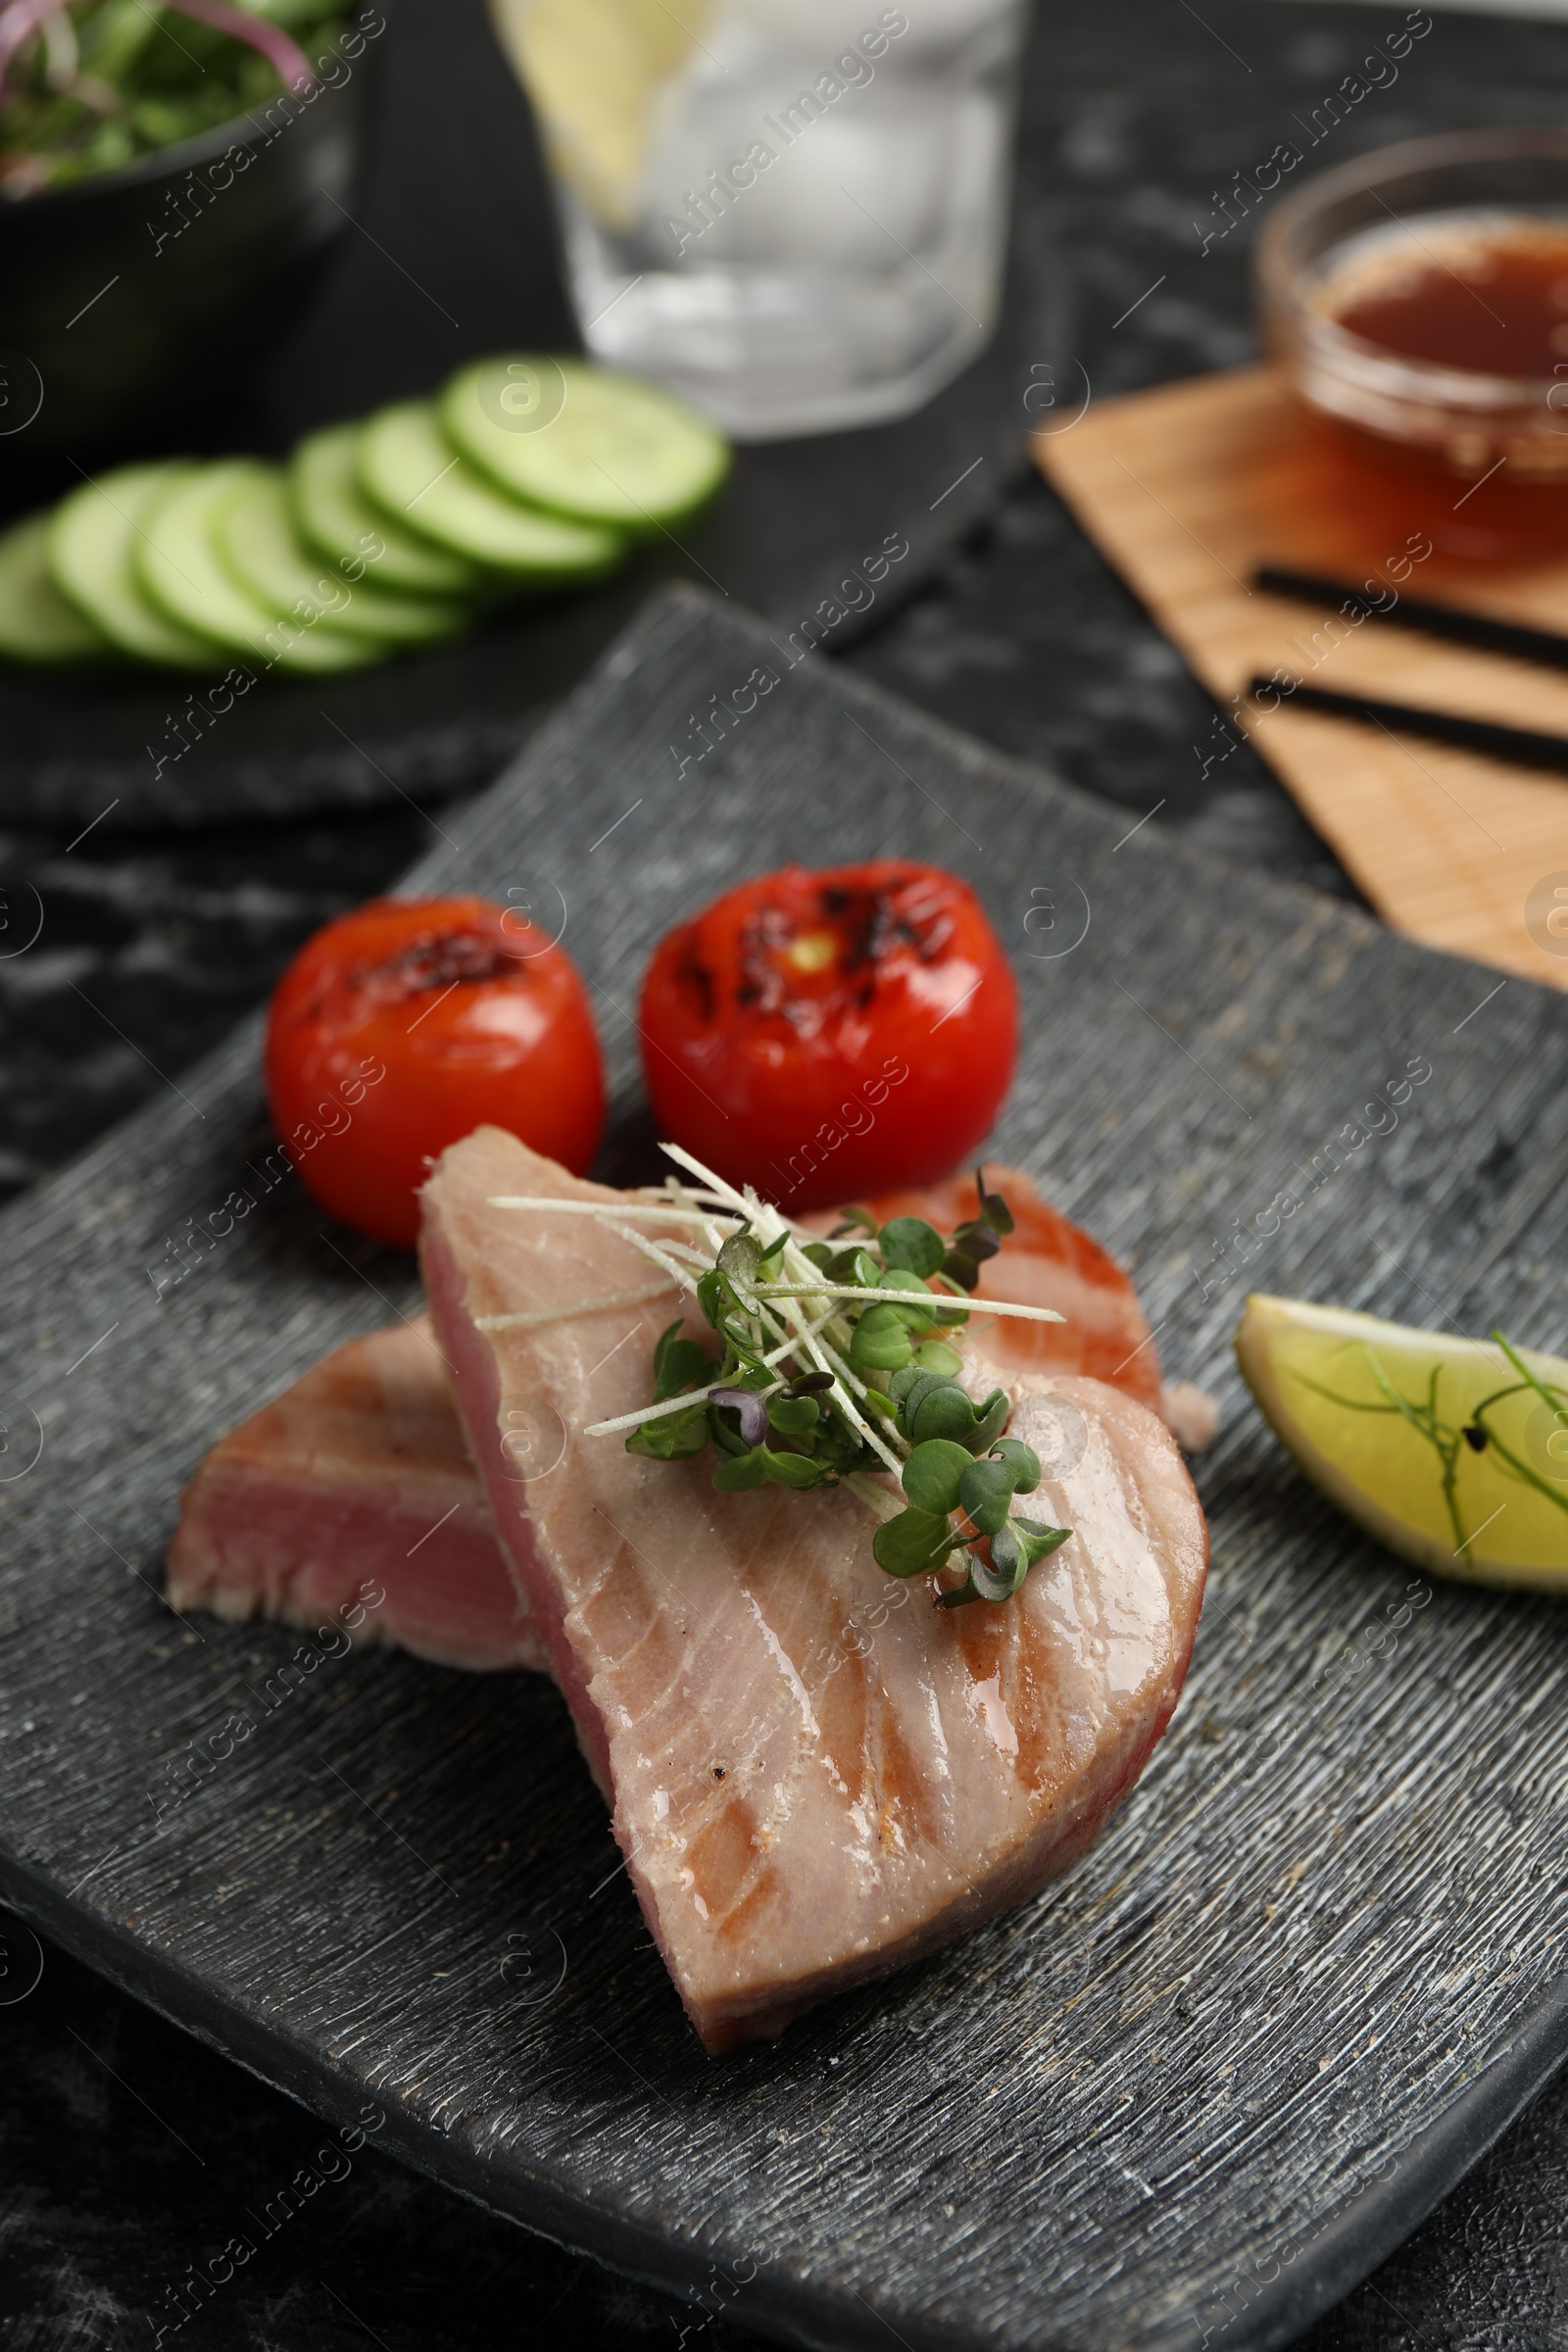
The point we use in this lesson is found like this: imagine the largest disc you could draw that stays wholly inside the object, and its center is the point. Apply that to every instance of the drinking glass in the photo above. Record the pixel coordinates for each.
(792, 211)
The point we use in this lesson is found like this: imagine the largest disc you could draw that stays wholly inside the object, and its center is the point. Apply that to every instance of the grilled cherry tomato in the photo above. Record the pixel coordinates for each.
(401, 1027)
(826, 1034)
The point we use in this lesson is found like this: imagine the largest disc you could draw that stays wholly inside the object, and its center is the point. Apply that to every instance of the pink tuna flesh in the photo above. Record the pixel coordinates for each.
(816, 1774)
(356, 1475)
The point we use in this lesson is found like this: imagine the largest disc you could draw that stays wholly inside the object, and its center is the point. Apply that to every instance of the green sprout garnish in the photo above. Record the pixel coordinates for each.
(967, 1469)
(833, 1370)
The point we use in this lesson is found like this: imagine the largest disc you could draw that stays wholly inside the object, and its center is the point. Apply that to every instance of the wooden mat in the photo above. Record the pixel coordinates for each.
(1186, 489)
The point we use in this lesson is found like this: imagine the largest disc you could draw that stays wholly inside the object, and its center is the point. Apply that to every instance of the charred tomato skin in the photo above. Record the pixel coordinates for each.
(824, 1034)
(401, 1027)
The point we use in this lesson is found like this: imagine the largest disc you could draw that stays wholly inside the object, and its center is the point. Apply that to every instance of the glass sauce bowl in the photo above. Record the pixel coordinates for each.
(1417, 299)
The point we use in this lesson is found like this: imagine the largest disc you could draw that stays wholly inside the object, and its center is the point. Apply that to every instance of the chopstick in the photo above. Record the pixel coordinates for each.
(1522, 745)
(1410, 613)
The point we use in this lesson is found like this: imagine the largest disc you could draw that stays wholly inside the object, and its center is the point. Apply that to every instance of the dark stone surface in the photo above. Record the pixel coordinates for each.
(127, 2151)
(1135, 112)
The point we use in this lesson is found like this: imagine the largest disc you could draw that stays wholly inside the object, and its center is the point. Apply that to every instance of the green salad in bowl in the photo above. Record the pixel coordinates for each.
(173, 178)
(88, 87)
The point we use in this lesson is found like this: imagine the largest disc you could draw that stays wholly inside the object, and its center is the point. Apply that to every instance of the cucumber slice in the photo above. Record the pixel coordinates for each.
(262, 550)
(178, 565)
(93, 541)
(616, 450)
(407, 466)
(335, 517)
(36, 623)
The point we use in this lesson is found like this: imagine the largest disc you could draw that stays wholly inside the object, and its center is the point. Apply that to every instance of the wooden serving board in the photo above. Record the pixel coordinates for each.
(1190, 2092)
(1185, 490)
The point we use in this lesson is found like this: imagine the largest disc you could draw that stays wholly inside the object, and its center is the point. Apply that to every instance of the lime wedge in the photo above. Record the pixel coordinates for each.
(594, 70)
(1454, 1453)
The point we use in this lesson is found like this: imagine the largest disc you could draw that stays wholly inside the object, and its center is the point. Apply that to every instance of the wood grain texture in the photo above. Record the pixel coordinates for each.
(1186, 489)
(1184, 2089)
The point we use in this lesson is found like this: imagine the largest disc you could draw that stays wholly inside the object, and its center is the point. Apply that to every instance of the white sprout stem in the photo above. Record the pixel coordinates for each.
(651, 1249)
(535, 1316)
(677, 1404)
(830, 1290)
(891, 1298)
(769, 1224)
(689, 1254)
(847, 1386)
(710, 1182)
(673, 1204)
(672, 1404)
(802, 1334)
(866, 1489)
(829, 1359)
(847, 1380)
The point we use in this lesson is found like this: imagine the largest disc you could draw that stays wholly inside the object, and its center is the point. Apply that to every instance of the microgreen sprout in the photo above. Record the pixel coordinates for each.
(833, 1370)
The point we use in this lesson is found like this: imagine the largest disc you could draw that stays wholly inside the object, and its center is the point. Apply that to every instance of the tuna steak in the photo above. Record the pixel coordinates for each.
(817, 1775)
(359, 1471)
(371, 1398)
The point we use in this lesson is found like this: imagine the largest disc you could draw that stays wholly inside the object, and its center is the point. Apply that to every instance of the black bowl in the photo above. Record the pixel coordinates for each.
(134, 300)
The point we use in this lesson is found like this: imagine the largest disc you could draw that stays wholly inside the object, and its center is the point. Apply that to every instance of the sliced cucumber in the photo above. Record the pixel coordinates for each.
(337, 519)
(407, 466)
(94, 542)
(585, 441)
(36, 623)
(179, 564)
(263, 551)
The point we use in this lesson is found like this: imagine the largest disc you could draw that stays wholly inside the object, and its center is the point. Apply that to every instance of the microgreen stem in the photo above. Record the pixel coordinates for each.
(827, 1358)
(789, 1405)
(863, 1487)
(844, 1290)
(285, 57)
(768, 1224)
(678, 1404)
(533, 1318)
(651, 1249)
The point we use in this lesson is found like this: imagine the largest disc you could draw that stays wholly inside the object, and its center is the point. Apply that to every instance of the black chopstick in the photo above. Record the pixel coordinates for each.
(1409, 613)
(1522, 745)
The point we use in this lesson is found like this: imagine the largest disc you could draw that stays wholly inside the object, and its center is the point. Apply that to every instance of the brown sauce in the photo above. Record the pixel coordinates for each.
(1484, 295)
(1493, 302)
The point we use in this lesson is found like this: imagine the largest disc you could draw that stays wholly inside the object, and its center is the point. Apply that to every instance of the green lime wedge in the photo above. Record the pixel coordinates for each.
(1454, 1453)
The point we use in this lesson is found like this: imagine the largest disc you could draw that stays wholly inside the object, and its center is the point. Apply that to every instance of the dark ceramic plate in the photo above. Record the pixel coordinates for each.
(1201, 2084)
(448, 252)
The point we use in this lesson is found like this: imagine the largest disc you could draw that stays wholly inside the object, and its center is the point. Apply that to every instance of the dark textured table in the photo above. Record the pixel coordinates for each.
(122, 2143)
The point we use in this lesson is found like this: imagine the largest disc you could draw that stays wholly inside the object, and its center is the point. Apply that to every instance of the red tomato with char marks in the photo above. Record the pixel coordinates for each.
(400, 1028)
(826, 1034)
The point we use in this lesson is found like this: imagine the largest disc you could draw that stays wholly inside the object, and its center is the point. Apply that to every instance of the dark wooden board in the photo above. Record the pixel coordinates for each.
(1203, 2083)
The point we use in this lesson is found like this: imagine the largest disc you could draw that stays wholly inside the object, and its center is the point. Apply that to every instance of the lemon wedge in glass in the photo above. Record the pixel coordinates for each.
(1451, 1452)
(594, 70)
